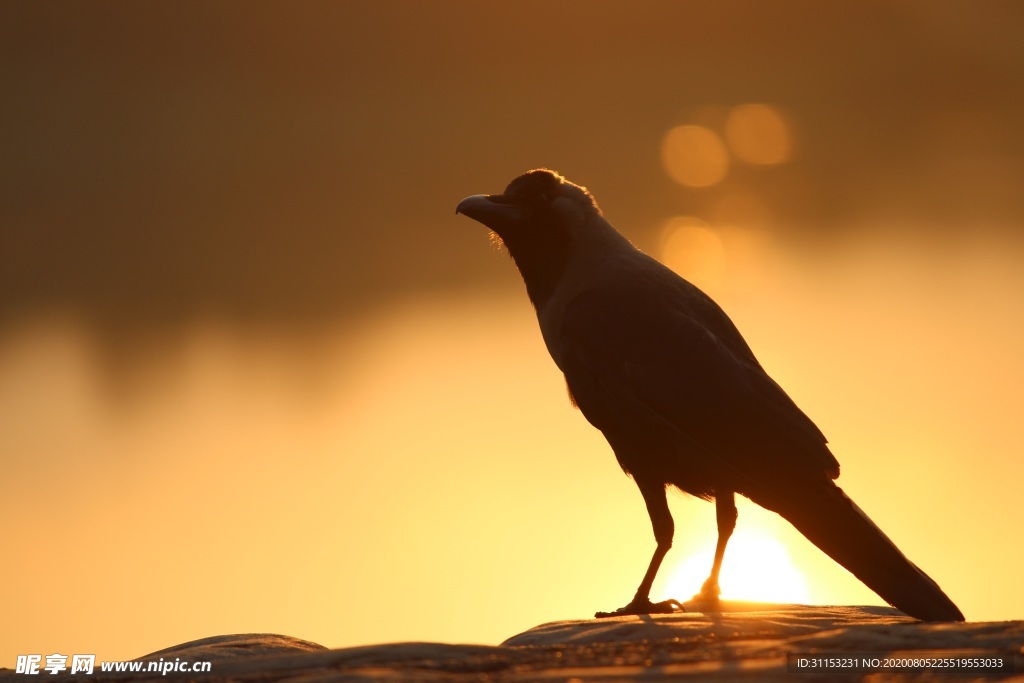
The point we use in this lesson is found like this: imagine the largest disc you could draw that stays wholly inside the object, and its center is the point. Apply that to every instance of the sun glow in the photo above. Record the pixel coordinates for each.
(756, 567)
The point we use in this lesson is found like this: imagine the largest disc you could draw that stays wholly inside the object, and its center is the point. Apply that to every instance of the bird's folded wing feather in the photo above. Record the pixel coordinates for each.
(673, 351)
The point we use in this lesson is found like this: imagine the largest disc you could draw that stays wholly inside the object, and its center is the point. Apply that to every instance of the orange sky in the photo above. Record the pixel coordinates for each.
(255, 376)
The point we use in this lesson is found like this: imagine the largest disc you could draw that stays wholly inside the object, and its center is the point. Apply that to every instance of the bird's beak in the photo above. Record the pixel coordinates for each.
(493, 210)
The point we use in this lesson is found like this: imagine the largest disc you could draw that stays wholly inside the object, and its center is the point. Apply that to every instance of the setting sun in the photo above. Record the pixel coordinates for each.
(756, 567)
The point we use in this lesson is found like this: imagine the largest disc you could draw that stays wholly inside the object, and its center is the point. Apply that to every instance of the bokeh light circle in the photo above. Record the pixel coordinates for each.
(758, 134)
(694, 156)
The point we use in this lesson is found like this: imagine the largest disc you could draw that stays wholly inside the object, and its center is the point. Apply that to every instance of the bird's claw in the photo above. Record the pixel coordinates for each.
(644, 606)
(709, 592)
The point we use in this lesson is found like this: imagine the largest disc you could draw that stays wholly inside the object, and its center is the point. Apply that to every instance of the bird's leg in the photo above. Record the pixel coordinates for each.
(664, 529)
(725, 512)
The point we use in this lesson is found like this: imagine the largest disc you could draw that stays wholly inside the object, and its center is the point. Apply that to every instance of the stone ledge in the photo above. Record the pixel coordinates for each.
(741, 642)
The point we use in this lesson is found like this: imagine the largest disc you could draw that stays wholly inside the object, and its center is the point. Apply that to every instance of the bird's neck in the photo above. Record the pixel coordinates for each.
(541, 261)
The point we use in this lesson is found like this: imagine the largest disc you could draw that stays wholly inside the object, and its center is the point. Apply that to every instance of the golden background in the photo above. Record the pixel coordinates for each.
(255, 375)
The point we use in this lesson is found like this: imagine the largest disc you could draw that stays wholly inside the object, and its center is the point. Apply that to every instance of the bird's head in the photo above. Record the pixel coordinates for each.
(537, 201)
(536, 219)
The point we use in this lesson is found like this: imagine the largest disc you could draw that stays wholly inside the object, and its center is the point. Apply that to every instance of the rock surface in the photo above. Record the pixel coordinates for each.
(744, 642)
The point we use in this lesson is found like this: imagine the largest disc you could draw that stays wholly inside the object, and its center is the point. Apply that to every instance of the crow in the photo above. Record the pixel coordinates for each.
(660, 369)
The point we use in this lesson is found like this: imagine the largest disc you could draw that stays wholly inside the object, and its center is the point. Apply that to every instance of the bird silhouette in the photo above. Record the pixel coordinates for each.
(660, 369)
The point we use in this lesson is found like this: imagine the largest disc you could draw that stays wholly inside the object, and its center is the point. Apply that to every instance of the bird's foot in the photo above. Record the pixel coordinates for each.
(644, 606)
(709, 592)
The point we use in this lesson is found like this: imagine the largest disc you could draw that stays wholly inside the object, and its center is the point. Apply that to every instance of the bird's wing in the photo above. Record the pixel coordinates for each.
(662, 345)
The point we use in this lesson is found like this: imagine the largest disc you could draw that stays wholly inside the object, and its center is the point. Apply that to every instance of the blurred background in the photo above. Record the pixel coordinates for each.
(256, 376)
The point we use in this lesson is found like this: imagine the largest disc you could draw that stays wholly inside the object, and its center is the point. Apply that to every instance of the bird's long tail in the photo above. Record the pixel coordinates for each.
(834, 523)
